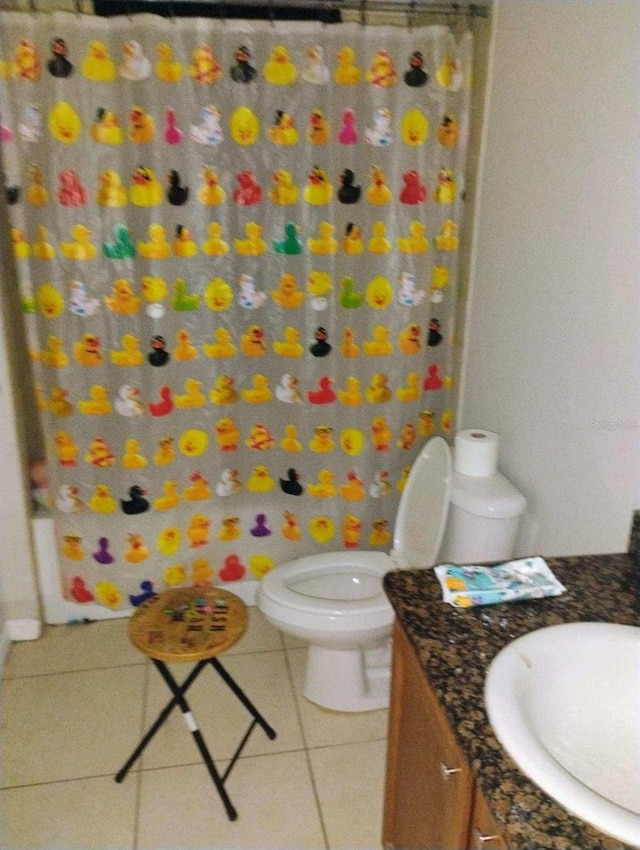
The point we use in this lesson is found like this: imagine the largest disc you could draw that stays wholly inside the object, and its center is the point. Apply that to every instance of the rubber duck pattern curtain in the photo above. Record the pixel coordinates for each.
(237, 245)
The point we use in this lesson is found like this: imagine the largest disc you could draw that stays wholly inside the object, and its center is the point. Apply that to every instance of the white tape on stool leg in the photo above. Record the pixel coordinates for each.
(190, 720)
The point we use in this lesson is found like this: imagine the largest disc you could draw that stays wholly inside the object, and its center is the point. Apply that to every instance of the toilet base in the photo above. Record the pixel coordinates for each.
(348, 679)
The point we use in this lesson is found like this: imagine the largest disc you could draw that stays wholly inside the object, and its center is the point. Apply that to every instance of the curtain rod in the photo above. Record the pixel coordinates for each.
(362, 7)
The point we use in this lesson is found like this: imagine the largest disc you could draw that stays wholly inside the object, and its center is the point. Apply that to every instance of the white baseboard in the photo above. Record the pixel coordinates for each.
(26, 629)
(5, 643)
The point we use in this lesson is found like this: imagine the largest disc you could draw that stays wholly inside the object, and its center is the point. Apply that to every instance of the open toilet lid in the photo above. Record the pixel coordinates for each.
(422, 513)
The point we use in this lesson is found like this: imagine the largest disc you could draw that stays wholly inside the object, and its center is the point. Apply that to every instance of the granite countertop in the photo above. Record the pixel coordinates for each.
(455, 648)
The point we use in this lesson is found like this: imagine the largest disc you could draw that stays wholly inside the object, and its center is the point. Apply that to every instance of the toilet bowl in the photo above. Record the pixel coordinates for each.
(336, 601)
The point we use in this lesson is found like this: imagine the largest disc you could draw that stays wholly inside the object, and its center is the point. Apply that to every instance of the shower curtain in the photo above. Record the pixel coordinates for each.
(237, 246)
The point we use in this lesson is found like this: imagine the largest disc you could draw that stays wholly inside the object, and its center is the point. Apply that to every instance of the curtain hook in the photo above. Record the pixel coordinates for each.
(272, 16)
(411, 15)
(221, 12)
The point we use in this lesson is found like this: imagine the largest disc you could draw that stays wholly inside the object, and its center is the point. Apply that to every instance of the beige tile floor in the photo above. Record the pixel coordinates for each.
(75, 703)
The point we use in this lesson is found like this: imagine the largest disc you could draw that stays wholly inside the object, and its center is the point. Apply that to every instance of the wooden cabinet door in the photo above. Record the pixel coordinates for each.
(483, 832)
(429, 784)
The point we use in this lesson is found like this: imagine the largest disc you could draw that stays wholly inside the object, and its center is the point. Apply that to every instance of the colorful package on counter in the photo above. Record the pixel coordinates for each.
(468, 585)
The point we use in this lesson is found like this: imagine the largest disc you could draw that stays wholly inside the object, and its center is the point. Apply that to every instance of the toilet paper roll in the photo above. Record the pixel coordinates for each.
(476, 453)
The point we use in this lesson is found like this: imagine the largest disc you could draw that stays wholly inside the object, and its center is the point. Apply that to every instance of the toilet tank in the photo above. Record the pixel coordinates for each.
(483, 521)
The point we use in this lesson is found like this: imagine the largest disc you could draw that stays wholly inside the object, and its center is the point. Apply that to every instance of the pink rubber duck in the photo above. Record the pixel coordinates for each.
(173, 135)
(348, 135)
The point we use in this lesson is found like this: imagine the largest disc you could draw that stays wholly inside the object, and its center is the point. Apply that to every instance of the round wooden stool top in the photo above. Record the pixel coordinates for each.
(188, 623)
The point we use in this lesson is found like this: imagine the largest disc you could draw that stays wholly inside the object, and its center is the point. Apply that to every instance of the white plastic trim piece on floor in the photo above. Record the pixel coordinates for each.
(27, 629)
(5, 643)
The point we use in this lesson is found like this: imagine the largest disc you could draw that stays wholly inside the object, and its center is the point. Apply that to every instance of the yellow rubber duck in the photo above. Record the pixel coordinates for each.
(252, 342)
(184, 350)
(20, 245)
(287, 294)
(167, 68)
(174, 575)
(290, 442)
(283, 190)
(36, 193)
(214, 245)
(97, 64)
(409, 339)
(65, 448)
(426, 425)
(230, 529)
(223, 345)
(324, 243)
(170, 497)
(381, 435)
(410, 392)
(439, 277)
(132, 459)
(380, 535)
(353, 491)
(382, 72)
(347, 72)
(260, 438)
(351, 395)
(198, 489)
(192, 396)
(82, 248)
(183, 245)
(378, 244)
(260, 481)
(211, 192)
(122, 300)
(223, 391)
(58, 403)
(289, 346)
(318, 190)
(348, 347)
(154, 289)
(157, 248)
(98, 403)
(260, 393)
(129, 354)
(415, 242)
(324, 488)
(446, 190)
(319, 285)
(218, 295)
(318, 131)
(102, 502)
(352, 240)
(201, 573)
(414, 128)
(86, 351)
(407, 437)
(290, 529)
(72, 547)
(42, 250)
(279, 70)
(165, 452)
(448, 131)
(111, 192)
(54, 355)
(253, 245)
(283, 131)
(321, 441)
(380, 344)
(146, 191)
(136, 552)
(446, 240)
(169, 540)
(204, 67)
(378, 192)
(227, 434)
(379, 293)
(141, 129)
(106, 129)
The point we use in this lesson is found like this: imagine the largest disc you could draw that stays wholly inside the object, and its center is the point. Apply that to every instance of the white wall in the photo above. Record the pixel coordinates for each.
(551, 359)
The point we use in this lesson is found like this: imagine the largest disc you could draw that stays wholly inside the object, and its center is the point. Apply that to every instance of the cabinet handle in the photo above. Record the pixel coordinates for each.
(482, 839)
(448, 771)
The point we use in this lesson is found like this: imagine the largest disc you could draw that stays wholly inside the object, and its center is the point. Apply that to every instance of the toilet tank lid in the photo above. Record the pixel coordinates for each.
(494, 497)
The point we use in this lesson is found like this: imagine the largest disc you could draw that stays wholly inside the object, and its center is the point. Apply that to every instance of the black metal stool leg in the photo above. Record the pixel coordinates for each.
(192, 725)
(244, 699)
(166, 711)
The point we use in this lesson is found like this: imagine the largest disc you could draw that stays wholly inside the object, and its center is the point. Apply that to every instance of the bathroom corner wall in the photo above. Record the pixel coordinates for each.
(551, 356)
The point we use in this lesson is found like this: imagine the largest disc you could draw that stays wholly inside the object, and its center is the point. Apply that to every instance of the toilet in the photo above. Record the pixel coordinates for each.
(336, 602)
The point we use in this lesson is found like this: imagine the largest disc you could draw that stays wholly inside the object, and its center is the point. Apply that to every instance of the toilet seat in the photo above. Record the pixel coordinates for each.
(290, 584)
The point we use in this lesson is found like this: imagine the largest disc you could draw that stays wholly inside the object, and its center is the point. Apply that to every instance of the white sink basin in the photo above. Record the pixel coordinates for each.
(564, 701)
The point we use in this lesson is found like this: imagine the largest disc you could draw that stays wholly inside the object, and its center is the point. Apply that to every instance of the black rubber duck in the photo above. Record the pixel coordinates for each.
(12, 194)
(242, 71)
(159, 356)
(416, 76)
(176, 193)
(291, 484)
(136, 504)
(348, 193)
(59, 65)
(435, 337)
(320, 347)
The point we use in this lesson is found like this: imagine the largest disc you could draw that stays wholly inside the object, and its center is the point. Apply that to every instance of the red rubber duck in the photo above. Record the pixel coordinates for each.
(248, 192)
(165, 405)
(324, 395)
(414, 190)
(233, 569)
(80, 591)
(71, 192)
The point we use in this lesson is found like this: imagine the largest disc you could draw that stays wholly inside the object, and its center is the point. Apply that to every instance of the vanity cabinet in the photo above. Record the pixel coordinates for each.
(430, 798)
